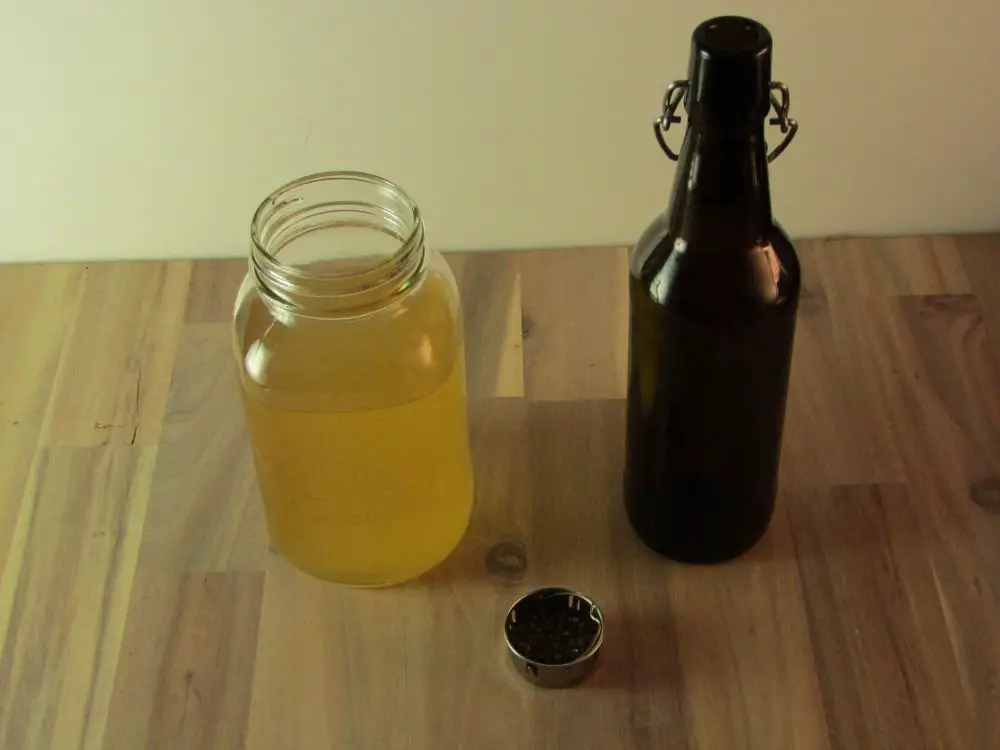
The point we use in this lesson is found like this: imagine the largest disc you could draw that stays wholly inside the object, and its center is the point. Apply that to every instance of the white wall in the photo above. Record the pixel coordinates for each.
(153, 127)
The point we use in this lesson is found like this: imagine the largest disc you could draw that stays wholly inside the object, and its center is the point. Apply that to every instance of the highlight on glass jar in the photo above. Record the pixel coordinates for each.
(348, 336)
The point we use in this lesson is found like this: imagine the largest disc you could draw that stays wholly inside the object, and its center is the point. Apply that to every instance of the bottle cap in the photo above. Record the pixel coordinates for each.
(554, 635)
(730, 73)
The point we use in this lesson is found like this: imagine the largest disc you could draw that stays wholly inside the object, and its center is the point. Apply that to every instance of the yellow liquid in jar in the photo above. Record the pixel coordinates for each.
(372, 494)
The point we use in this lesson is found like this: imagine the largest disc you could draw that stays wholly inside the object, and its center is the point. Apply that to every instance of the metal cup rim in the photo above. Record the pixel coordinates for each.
(595, 613)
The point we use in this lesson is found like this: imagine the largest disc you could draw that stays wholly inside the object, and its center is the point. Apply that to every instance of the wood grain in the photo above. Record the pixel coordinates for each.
(879, 629)
(79, 533)
(827, 398)
(204, 511)
(212, 290)
(187, 662)
(113, 383)
(38, 305)
(141, 605)
(982, 261)
(745, 650)
(491, 292)
(575, 322)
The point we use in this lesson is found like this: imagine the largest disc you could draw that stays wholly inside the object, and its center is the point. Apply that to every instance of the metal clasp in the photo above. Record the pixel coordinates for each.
(780, 100)
(672, 99)
(787, 125)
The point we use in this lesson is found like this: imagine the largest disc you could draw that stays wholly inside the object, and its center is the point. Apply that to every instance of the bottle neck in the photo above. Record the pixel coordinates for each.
(721, 198)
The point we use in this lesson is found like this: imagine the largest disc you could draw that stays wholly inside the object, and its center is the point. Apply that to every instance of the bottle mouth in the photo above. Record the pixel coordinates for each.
(732, 35)
(336, 239)
(729, 73)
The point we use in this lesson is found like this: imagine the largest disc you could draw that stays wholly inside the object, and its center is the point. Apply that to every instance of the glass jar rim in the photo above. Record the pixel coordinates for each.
(281, 197)
(355, 279)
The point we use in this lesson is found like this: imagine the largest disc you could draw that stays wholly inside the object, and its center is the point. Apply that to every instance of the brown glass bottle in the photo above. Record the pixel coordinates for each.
(714, 289)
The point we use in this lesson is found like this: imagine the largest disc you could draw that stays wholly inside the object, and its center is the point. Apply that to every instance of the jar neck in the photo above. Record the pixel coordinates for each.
(336, 243)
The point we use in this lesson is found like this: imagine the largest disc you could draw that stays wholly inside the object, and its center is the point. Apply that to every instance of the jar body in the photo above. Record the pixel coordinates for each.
(358, 425)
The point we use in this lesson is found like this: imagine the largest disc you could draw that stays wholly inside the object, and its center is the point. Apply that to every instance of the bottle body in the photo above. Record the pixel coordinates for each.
(354, 396)
(713, 290)
(706, 404)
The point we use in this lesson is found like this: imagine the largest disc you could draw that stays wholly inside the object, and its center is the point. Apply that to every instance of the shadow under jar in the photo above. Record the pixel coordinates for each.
(348, 336)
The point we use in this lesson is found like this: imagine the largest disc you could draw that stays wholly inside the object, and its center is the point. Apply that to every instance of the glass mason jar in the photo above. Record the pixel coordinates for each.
(348, 336)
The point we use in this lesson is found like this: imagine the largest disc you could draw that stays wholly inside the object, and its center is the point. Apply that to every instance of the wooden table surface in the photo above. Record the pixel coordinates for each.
(140, 606)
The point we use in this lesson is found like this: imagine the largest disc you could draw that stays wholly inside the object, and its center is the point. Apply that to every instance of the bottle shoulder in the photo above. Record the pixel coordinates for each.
(728, 277)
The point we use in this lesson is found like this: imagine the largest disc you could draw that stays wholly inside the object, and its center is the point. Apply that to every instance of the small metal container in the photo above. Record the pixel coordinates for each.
(554, 635)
